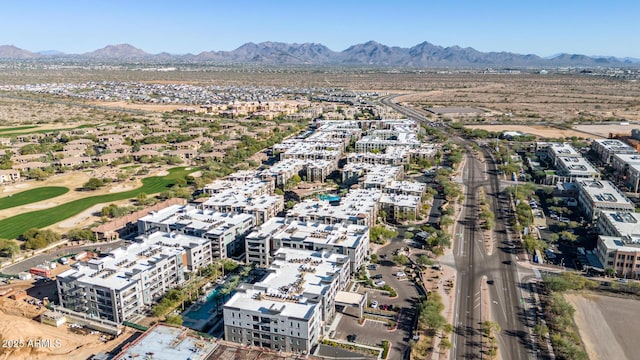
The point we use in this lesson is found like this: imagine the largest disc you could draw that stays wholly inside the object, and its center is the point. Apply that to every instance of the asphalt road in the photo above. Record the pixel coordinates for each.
(39, 259)
(473, 263)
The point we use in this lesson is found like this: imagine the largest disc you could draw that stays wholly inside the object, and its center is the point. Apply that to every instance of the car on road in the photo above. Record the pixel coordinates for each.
(352, 337)
(380, 283)
(374, 304)
(507, 262)
(490, 282)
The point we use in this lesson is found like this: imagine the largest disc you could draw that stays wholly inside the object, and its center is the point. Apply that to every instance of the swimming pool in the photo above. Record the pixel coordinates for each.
(207, 309)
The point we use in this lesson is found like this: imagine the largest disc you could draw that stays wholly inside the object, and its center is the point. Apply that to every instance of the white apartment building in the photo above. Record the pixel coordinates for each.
(353, 172)
(197, 250)
(359, 207)
(393, 155)
(400, 206)
(553, 151)
(606, 148)
(380, 140)
(283, 170)
(261, 207)
(240, 184)
(621, 162)
(225, 231)
(286, 311)
(600, 195)
(406, 188)
(278, 233)
(633, 177)
(125, 283)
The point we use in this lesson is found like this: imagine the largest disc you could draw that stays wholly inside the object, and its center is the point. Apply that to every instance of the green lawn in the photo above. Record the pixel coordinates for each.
(30, 196)
(11, 228)
(17, 128)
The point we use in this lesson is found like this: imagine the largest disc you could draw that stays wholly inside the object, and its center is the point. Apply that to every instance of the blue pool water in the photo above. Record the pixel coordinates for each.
(205, 310)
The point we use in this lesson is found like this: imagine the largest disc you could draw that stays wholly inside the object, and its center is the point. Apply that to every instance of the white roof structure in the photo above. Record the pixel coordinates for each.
(603, 193)
(117, 270)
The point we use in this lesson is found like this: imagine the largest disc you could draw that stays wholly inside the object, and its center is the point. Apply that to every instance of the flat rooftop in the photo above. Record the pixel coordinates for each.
(170, 343)
(603, 192)
(342, 234)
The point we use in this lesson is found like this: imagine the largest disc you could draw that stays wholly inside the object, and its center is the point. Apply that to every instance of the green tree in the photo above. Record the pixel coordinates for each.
(174, 319)
(400, 259)
(80, 234)
(93, 184)
(9, 247)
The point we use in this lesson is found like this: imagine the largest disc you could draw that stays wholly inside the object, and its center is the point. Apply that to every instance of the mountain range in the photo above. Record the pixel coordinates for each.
(370, 53)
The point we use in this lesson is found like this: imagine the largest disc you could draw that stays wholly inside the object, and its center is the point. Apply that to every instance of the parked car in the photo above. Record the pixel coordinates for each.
(380, 283)
(400, 274)
(377, 277)
(374, 304)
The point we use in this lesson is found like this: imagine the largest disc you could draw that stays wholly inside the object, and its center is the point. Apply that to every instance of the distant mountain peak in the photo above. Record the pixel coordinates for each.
(14, 52)
(119, 51)
(370, 53)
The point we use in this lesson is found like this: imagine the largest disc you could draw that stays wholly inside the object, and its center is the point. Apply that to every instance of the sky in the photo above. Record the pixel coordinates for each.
(540, 27)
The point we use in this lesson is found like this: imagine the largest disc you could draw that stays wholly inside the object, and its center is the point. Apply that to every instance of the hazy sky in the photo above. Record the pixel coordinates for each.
(523, 26)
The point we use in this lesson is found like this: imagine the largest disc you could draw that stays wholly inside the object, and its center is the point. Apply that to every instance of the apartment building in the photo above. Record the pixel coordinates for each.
(400, 206)
(600, 195)
(606, 148)
(287, 310)
(278, 233)
(261, 207)
(358, 172)
(242, 184)
(359, 206)
(225, 231)
(123, 284)
(392, 155)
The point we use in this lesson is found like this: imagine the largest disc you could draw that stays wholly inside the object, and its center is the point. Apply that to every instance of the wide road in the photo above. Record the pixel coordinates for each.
(473, 263)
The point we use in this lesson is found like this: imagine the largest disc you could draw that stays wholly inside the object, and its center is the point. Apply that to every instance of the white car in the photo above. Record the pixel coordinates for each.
(380, 283)
(374, 304)
(400, 274)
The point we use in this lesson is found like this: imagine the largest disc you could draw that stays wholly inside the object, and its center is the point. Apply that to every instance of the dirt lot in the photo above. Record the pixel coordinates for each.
(605, 129)
(608, 325)
(17, 330)
(538, 130)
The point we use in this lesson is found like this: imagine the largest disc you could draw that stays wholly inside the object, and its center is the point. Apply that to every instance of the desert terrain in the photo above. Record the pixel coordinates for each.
(607, 325)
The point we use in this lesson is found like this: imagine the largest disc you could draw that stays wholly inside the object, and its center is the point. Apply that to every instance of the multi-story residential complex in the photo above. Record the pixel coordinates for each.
(242, 185)
(600, 195)
(400, 206)
(381, 139)
(197, 250)
(226, 231)
(622, 254)
(359, 207)
(406, 188)
(261, 207)
(606, 148)
(379, 174)
(313, 151)
(277, 233)
(286, 311)
(283, 170)
(393, 155)
(123, 284)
